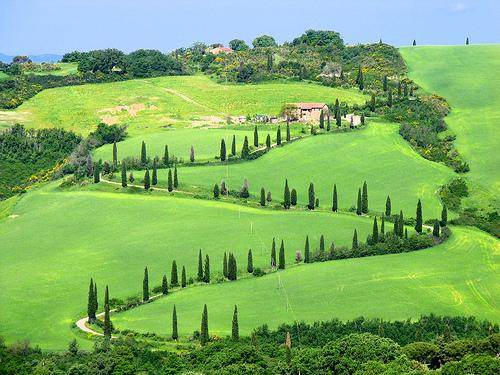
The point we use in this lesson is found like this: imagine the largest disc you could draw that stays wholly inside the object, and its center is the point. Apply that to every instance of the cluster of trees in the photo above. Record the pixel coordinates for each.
(92, 306)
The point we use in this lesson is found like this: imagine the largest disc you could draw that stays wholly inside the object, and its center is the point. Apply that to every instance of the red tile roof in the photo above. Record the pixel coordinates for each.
(218, 50)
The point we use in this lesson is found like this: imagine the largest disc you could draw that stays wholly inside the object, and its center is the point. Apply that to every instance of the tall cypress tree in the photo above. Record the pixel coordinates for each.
(144, 158)
(336, 109)
(222, 150)
(169, 181)
(286, 196)
(166, 157)
(288, 136)
(145, 286)
(401, 223)
(444, 216)
(108, 328)
(278, 136)
(124, 174)
(312, 199)
(293, 197)
(164, 285)
(174, 279)
(249, 261)
(375, 230)
(382, 225)
(364, 199)
(183, 277)
(147, 180)
(414, 42)
(322, 244)
(358, 203)
(281, 262)
(233, 146)
(245, 151)
(355, 239)
(362, 119)
(235, 331)
(175, 334)
(396, 225)
(90, 303)
(335, 204)
(307, 254)
(466, 43)
(338, 119)
(419, 220)
(206, 275)
(176, 178)
(255, 137)
(216, 191)
(115, 155)
(321, 120)
(268, 141)
(262, 197)
(388, 207)
(232, 267)
(154, 178)
(96, 303)
(200, 267)
(372, 103)
(435, 229)
(384, 83)
(328, 125)
(97, 173)
(204, 337)
(273, 254)
(225, 270)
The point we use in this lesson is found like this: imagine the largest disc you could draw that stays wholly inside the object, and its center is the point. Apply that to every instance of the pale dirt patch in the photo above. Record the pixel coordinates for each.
(12, 117)
(13, 216)
(109, 120)
(132, 110)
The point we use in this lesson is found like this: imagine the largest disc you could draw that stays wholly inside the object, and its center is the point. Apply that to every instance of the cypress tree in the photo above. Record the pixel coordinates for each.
(401, 223)
(147, 181)
(269, 197)
(250, 261)
(176, 179)
(175, 334)
(233, 146)
(361, 82)
(204, 337)
(419, 221)
(444, 216)
(222, 150)
(338, 120)
(115, 155)
(362, 119)
(164, 285)
(466, 43)
(90, 303)
(107, 320)
(406, 233)
(396, 225)
(288, 136)
(183, 277)
(322, 244)
(232, 268)
(96, 303)
(328, 125)
(124, 174)
(335, 204)
(245, 151)
(278, 136)
(382, 225)
(414, 42)
(389, 99)
(355, 239)
(169, 183)
(321, 120)
(206, 275)
(144, 158)
(191, 154)
(384, 83)
(336, 109)
(293, 197)
(199, 276)
(307, 255)
(97, 173)
(435, 229)
(225, 270)
(235, 331)
(281, 262)
(268, 141)
(358, 205)
(273, 254)
(174, 280)
(166, 157)
(388, 207)
(311, 197)
(145, 286)
(286, 196)
(262, 197)
(154, 178)
(375, 230)
(372, 103)
(255, 137)
(216, 191)
(364, 199)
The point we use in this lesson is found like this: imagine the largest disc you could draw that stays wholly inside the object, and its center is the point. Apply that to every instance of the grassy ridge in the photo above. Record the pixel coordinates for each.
(456, 278)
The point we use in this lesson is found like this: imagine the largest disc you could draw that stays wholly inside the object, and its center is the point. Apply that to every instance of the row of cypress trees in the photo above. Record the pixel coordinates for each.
(92, 306)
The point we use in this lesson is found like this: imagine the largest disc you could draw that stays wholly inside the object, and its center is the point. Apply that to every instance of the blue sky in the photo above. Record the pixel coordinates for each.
(58, 26)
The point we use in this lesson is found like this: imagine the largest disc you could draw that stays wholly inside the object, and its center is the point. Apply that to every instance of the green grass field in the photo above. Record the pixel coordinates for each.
(376, 154)
(66, 69)
(464, 76)
(156, 102)
(458, 277)
(61, 239)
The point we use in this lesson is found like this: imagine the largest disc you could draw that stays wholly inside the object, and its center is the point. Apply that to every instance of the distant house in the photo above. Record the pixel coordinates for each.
(217, 50)
(308, 111)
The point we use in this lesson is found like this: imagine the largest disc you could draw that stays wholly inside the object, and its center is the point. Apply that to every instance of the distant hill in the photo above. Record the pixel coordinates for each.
(48, 57)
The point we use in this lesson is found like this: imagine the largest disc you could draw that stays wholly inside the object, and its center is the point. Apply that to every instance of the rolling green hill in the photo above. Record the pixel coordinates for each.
(465, 76)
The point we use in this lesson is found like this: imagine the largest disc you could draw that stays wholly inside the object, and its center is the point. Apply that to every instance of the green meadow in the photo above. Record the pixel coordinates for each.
(465, 76)
(455, 278)
(59, 239)
(147, 105)
(66, 69)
